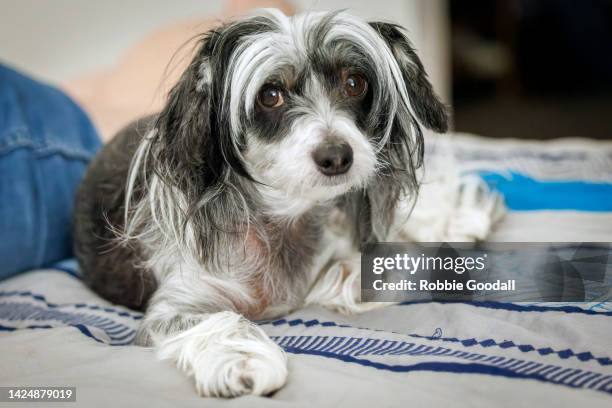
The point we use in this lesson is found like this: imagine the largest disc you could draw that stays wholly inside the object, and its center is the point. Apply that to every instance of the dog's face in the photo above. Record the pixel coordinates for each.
(307, 98)
(309, 137)
(309, 107)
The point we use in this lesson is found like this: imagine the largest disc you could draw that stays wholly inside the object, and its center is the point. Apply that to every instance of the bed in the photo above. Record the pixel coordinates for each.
(55, 331)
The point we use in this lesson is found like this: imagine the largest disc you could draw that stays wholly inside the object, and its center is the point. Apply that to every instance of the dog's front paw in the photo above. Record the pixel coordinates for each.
(228, 370)
(228, 356)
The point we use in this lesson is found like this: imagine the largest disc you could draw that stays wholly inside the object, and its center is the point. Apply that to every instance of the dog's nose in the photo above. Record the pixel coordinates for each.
(333, 159)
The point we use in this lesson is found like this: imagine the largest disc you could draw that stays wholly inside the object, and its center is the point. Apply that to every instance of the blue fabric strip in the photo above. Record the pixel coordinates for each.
(17, 312)
(574, 378)
(41, 298)
(516, 307)
(470, 342)
(523, 193)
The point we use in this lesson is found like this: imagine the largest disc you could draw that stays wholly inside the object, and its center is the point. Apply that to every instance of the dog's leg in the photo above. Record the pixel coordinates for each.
(194, 323)
(339, 288)
(450, 208)
(337, 272)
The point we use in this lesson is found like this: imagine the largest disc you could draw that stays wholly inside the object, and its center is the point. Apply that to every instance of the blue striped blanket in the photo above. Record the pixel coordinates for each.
(55, 331)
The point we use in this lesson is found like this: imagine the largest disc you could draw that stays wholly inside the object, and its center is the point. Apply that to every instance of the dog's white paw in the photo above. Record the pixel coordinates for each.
(228, 356)
(476, 210)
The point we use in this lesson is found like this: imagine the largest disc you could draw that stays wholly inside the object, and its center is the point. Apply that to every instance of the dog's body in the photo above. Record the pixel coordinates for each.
(287, 144)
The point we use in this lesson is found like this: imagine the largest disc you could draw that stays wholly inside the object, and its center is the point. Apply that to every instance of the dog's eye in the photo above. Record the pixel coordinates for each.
(271, 96)
(355, 85)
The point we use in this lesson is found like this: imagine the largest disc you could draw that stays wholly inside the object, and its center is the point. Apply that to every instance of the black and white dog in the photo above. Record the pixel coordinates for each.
(287, 143)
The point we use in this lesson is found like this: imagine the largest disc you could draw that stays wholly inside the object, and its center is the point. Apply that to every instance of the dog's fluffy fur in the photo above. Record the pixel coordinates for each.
(214, 212)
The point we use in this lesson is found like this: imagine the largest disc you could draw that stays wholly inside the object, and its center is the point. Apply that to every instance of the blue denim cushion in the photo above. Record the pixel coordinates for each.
(46, 141)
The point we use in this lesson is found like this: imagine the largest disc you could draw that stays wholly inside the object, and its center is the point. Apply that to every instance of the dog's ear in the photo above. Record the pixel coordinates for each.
(184, 132)
(196, 146)
(430, 112)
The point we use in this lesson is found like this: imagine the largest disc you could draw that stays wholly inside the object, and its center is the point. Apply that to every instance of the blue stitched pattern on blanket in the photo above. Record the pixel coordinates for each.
(582, 178)
(23, 310)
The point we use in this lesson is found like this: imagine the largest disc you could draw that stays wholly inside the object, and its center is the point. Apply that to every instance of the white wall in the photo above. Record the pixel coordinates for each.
(59, 39)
